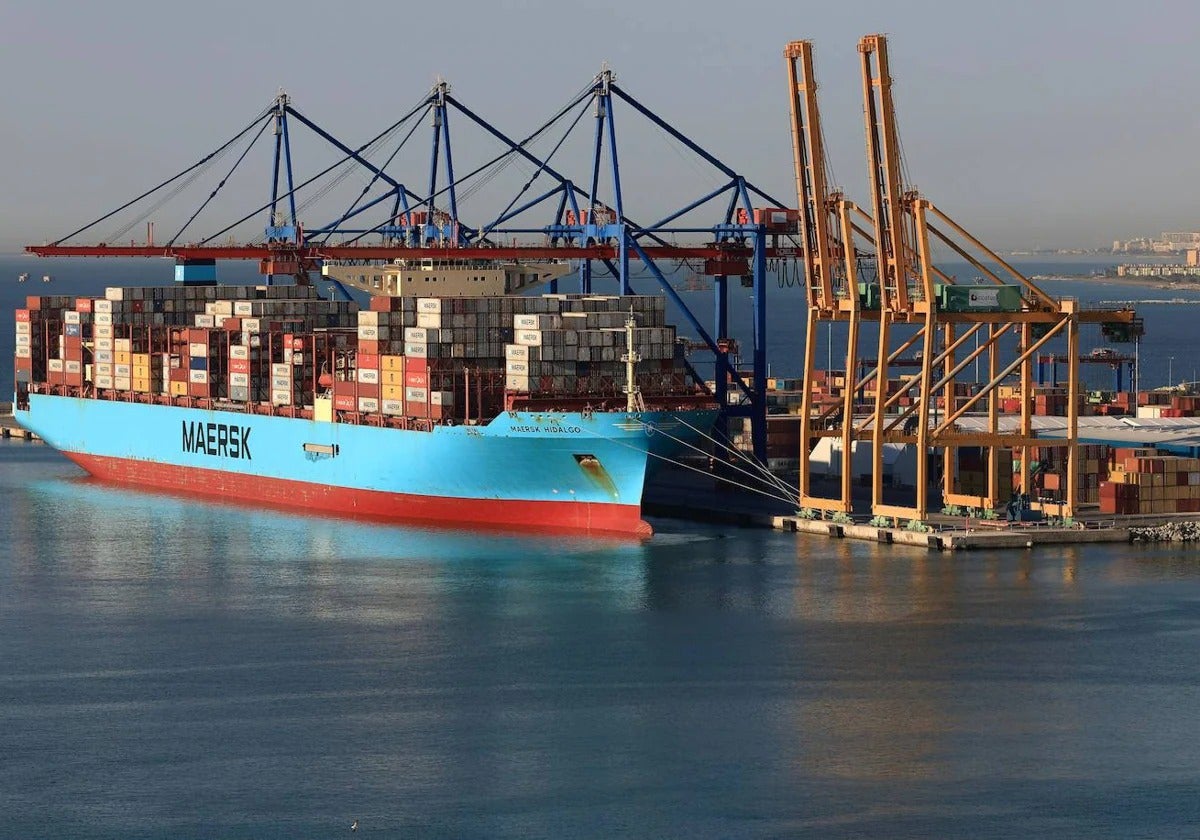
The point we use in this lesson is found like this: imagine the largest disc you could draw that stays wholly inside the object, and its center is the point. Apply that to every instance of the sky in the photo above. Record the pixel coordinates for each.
(1035, 124)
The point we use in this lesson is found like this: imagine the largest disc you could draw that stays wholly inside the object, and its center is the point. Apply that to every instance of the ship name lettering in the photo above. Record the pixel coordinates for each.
(220, 440)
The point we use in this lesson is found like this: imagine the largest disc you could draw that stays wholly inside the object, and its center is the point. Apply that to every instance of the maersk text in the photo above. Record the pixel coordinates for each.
(217, 439)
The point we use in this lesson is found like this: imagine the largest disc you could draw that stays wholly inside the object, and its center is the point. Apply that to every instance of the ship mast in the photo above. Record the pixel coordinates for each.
(633, 394)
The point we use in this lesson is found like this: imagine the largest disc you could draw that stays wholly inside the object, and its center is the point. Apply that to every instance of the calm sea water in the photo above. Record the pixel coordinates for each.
(177, 669)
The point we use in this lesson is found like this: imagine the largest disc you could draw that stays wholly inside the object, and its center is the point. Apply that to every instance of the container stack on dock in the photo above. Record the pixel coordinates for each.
(1144, 481)
(433, 359)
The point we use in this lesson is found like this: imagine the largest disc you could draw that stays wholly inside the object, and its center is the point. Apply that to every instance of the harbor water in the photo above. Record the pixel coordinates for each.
(171, 668)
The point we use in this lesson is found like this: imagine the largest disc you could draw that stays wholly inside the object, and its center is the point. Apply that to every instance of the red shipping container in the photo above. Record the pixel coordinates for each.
(370, 361)
(83, 304)
(415, 365)
(232, 325)
(345, 388)
(33, 302)
(367, 347)
(73, 379)
(198, 389)
(416, 379)
(22, 316)
(416, 409)
(54, 377)
(178, 375)
(239, 365)
(24, 364)
(369, 391)
(345, 402)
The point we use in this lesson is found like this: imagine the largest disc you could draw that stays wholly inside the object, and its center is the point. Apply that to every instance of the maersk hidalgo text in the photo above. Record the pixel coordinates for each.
(218, 439)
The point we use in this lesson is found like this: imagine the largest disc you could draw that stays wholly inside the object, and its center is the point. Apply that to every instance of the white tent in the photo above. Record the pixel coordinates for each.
(899, 461)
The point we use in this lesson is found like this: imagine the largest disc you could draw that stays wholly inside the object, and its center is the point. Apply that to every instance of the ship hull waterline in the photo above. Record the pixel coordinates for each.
(549, 471)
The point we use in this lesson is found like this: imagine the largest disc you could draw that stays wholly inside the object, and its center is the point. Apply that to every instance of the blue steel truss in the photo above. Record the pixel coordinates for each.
(573, 216)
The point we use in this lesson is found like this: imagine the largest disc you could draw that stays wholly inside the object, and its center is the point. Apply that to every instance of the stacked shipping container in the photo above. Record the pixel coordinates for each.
(429, 358)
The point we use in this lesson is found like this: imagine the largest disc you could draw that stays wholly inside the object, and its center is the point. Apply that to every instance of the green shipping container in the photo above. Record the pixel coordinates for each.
(979, 298)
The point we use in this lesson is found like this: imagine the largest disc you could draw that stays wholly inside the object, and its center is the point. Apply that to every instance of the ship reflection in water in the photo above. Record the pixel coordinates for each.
(167, 666)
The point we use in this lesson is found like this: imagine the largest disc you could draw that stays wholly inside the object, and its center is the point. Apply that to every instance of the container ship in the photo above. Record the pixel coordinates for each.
(496, 410)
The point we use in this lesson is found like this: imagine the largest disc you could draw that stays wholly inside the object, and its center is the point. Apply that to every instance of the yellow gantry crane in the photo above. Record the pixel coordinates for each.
(918, 308)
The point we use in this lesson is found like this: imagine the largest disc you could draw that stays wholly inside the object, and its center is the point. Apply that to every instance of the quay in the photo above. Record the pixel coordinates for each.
(9, 427)
(677, 495)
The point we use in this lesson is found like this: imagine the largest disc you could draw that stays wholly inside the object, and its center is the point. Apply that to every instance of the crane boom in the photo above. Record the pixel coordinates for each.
(892, 240)
(808, 153)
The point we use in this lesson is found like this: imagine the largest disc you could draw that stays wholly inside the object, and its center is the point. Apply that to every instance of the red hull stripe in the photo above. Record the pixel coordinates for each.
(373, 504)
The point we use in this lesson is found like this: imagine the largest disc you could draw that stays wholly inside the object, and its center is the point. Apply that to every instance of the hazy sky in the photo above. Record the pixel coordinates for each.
(1035, 123)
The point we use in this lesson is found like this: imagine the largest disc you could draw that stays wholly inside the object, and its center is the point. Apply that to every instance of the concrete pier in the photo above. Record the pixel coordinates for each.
(9, 427)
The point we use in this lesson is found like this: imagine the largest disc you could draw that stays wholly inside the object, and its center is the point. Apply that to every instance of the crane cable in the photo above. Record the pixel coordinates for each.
(202, 162)
(375, 176)
(482, 167)
(217, 189)
(348, 156)
(540, 170)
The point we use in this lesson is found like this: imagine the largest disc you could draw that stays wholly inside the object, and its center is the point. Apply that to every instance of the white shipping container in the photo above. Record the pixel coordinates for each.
(239, 351)
(102, 331)
(104, 319)
(102, 306)
(529, 338)
(197, 350)
(24, 340)
(251, 325)
(368, 405)
(537, 322)
(123, 370)
(420, 335)
(514, 382)
(429, 305)
(104, 368)
(417, 395)
(73, 366)
(122, 383)
(239, 379)
(517, 367)
(71, 317)
(104, 381)
(205, 321)
(281, 397)
(444, 398)
(123, 345)
(368, 333)
(198, 376)
(367, 318)
(105, 345)
(23, 353)
(23, 328)
(281, 370)
(54, 365)
(417, 351)
(429, 320)
(281, 383)
(103, 356)
(393, 407)
(368, 376)
(114, 293)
